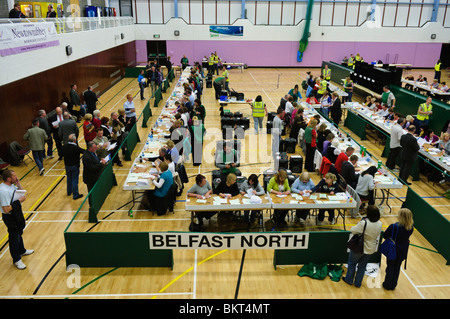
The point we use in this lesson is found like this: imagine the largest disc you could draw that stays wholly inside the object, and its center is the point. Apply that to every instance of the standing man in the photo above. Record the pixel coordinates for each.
(92, 166)
(259, 109)
(51, 13)
(226, 75)
(54, 127)
(184, 62)
(15, 12)
(142, 83)
(66, 127)
(437, 71)
(43, 124)
(152, 76)
(75, 106)
(424, 111)
(216, 63)
(322, 87)
(277, 128)
(396, 149)
(410, 148)
(116, 136)
(90, 98)
(335, 109)
(71, 153)
(326, 72)
(387, 98)
(348, 88)
(12, 216)
(130, 112)
(211, 64)
(36, 138)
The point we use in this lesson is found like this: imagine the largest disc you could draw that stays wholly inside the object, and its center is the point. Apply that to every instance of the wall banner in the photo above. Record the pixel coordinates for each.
(17, 38)
(174, 240)
(226, 31)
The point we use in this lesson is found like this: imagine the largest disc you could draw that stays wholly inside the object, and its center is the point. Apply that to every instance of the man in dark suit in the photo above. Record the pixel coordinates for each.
(43, 124)
(92, 166)
(335, 109)
(90, 98)
(75, 106)
(348, 171)
(15, 12)
(410, 148)
(71, 153)
(51, 13)
(54, 121)
(66, 127)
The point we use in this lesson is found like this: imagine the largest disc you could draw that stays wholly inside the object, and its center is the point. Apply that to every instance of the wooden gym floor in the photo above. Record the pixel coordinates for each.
(197, 274)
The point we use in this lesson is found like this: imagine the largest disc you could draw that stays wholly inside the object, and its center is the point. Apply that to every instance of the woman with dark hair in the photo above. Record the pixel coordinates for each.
(259, 110)
(371, 227)
(251, 186)
(201, 189)
(366, 184)
(295, 93)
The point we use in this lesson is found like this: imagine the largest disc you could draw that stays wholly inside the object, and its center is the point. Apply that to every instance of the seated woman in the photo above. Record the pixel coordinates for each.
(168, 160)
(327, 142)
(311, 99)
(431, 138)
(227, 188)
(252, 187)
(201, 189)
(303, 185)
(279, 185)
(330, 186)
(162, 186)
(366, 184)
(333, 151)
(444, 144)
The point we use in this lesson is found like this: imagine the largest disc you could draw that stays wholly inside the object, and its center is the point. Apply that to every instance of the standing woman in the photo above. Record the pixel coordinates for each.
(371, 226)
(348, 88)
(259, 109)
(403, 230)
(336, 111)
(295, 93)
(88, 128)
(310, 141)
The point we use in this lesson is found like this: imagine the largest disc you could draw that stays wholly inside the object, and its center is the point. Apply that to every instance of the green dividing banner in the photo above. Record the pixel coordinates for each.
(430, 223)
(115, 249)
(100, 191)
(323, 247)
(356, 124)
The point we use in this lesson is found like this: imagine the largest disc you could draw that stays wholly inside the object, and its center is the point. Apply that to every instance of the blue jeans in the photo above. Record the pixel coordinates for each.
(325, 110)
(50, 146)
(258, 123)
(356, 259)
(72, 173)
(39, 158)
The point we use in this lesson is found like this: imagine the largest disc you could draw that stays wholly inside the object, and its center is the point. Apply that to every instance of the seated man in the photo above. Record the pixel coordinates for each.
(348, 171)
(227, 160)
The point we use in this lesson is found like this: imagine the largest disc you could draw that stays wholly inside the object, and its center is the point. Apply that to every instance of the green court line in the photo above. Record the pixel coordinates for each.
(94, 280)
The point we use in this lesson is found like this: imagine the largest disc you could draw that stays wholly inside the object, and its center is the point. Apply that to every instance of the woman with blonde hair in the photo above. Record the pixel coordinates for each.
(400, 233)
(279, 184)
(88, 128)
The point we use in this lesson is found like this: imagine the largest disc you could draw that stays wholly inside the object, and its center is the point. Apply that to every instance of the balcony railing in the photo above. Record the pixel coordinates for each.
(77, 24)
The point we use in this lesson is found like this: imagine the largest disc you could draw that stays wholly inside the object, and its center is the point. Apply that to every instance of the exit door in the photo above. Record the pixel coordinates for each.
(157, 50)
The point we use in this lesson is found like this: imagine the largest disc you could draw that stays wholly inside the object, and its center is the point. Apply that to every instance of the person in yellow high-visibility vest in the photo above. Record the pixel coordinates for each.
(326, 72)
(211, 64)
(437, 71)
(259, 110)
(226, 75)
(424, 111)
(322, 87)
(216, 63)
(351, 61)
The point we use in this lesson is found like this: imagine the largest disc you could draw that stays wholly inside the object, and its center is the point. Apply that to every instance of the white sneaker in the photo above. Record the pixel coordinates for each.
(333, 221)
(20, 265)
(27, 252)
(41, 171)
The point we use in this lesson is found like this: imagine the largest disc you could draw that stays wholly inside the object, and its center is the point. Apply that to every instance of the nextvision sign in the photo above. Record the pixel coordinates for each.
(296, 240)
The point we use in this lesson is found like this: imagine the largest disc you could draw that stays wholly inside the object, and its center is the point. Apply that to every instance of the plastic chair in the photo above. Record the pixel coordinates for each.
(25, 153)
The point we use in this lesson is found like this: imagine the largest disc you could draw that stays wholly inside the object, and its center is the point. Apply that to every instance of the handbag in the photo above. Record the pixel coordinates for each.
(356, 243)
(388, 247)
(76, 107)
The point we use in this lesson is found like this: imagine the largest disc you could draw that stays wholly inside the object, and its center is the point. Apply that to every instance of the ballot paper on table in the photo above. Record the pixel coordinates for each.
(235, 202)
(323, 196)
(255, 199)
(297, 196)
(282, 195)
(293, 201)
(19, 193)
(202, 201)
(314, 197)
(219, 200)
(421, 141)
(246, 201)
(133, 177)
(142, 182)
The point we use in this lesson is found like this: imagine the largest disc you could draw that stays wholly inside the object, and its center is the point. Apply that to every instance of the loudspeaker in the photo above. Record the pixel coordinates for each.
(269, 127)
(283, 163)
(271, 116)
(68, 50)
(289, 145)
(296, 164)
(227, 132)
(208, 83)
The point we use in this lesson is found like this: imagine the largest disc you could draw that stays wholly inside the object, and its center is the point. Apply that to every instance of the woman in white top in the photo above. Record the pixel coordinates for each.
(366, 184)
(170, 163)
(372, 233)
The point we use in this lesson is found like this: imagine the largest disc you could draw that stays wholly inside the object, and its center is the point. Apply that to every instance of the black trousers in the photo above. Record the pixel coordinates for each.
(393, 156)
(309, 159)
(405, 170)
(321, 215)
(16, 246)
(392, 273)
(217, 90)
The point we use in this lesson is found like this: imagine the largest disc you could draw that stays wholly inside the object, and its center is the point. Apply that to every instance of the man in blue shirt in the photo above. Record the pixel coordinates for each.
(142, 83)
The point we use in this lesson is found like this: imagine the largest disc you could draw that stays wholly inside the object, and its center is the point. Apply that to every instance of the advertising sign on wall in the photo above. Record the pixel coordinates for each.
(18, 38)
(226, 31)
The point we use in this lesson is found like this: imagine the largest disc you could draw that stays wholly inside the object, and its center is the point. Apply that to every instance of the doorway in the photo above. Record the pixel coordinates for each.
(157, 50)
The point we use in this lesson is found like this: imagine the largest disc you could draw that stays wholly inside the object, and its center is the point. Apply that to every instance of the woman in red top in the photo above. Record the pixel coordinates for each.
(88, 128)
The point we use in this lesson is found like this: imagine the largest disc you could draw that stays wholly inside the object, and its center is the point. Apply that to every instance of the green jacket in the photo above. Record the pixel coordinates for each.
(36, 138)
(273, 185)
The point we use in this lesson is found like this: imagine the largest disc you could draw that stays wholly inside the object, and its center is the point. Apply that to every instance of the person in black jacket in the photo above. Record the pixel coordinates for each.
(335, 109)
(330, 186)
(410, 148)
(92, 166)
(400, 232)
(15, 12)
(90, 98)
(71, 153)
(348, 171)
(43, 124)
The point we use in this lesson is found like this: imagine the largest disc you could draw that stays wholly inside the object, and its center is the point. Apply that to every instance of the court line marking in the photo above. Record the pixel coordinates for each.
(412, 283)
(99, 295)
(188, 270)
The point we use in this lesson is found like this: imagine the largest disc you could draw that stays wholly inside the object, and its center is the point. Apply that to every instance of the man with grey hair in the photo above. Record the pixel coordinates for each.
(36, 138)
(54, 121)
(71, 153)
(43, 124)
(66, 127)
